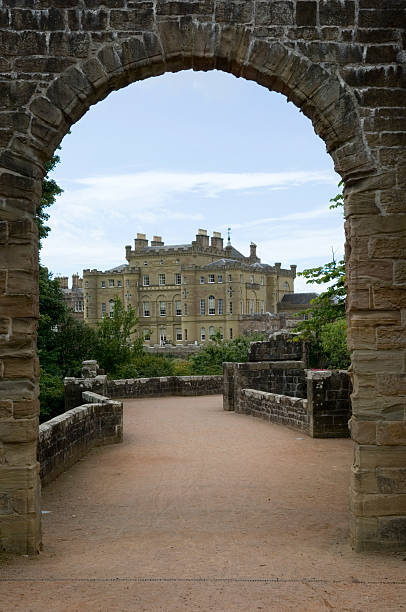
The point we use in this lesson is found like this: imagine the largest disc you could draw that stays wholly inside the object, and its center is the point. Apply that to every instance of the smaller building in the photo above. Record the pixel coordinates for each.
(73, 296)
(286, 318)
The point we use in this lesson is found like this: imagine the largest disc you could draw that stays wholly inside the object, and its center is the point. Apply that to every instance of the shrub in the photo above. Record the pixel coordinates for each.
(51, 396)
(182, 367)
(333, 337)
(144, 366)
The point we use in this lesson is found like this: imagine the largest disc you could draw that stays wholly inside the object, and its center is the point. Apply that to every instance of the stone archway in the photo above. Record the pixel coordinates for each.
(341, 63)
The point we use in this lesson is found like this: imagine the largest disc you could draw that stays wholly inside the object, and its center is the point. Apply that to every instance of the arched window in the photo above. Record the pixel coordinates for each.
(203, 334)
(212, 305)
(211, 331)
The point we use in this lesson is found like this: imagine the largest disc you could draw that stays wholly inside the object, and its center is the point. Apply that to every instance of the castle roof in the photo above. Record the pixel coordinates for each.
(298, 299)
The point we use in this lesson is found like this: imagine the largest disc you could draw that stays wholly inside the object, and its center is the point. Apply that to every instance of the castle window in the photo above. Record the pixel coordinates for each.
(185, 293)
(262, 307)
(178, 334)
(185, 280)
(262, 280)
(119, 283)
(178, 308)
(252, 307)
(221, 333)
(212, 305)
(145, 263)
(127, 283)
(145, 309)
(230, 278)
(111, 308)
(202, 307)
(111, 282)
(161, 279)
(230, 308)
(103, 309)
(220, 306)
(147, 334)
(185, 309)
(203, 334)
(178, 279)
(252, 279)
(231, 333)
(185, 334)
(86, 283)
(103, 284)
(162, 309)
(162, 335)
(286, 285)
(211, 332)
(211, 278)
(202, 280)
(220, 278)
(145, 280)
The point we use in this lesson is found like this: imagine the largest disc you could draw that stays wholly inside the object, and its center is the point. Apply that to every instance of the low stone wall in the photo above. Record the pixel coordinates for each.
(280, 377)
(282, 409)
(329, 397)
(69, 436)
(327, 393)
(140, 387)
(166, 385)
(281, 346)
(179, 351)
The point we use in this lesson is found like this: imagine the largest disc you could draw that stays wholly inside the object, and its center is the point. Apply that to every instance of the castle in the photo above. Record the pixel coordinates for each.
(186, 293)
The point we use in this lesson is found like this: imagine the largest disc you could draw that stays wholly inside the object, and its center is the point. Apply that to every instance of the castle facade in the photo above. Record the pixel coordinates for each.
(186, 293)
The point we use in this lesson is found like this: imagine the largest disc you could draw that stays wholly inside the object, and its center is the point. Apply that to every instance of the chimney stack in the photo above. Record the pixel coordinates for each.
(202, 239)
(63, 282)
(75, 281)
(140, 242)
(157, 241)
(216, 241)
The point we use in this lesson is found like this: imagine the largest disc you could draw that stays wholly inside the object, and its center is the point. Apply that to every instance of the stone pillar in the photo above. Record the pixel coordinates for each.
(20, 530)
(376, 274)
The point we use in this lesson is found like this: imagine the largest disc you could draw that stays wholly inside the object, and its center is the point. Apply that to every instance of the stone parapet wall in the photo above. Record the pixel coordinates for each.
(165, 385)
(281, 346)
(328, 394)
(328, 405)
(69, 436)
(280, 377)
(282, 409)
(76, 388)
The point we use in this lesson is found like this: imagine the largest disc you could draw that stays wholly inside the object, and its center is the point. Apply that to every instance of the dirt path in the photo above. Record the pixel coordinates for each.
(201, 509)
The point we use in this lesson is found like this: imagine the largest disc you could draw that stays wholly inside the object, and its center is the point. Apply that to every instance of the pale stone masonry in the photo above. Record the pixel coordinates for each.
(342, 62)
(186, 293)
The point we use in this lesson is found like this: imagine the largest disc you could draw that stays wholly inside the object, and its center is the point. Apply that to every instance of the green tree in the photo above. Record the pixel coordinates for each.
(211, 357)
(114, 344)
(333, 338)
(328, 306)
(50, 190)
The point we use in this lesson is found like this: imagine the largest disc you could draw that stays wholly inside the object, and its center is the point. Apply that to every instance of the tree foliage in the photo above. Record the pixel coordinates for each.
(211, 357)
(50, 190)
(115, 345)
(327, 308)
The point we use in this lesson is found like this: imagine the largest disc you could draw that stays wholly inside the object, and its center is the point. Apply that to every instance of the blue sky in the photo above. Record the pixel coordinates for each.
(191, 150)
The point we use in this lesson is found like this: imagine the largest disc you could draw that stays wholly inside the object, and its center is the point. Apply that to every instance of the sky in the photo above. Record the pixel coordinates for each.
(175, 153)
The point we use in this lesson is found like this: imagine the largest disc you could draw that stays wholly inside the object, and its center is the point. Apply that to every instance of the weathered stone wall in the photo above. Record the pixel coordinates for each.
(280, 377)
(281, 409)
(69, 436)
(327, 395)
(141, 387)
(342, 63)
(329, 402)
(279, 347)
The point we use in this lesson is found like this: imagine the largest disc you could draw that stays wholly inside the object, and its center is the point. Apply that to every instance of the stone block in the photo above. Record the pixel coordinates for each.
(234, 12)
(391, 433)
(21, 430)
(399, 272)
(336, 12)
(365, 504)
(391, 480)
(306, 13)
(140, 19)
(363, 432)
(389, 298)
